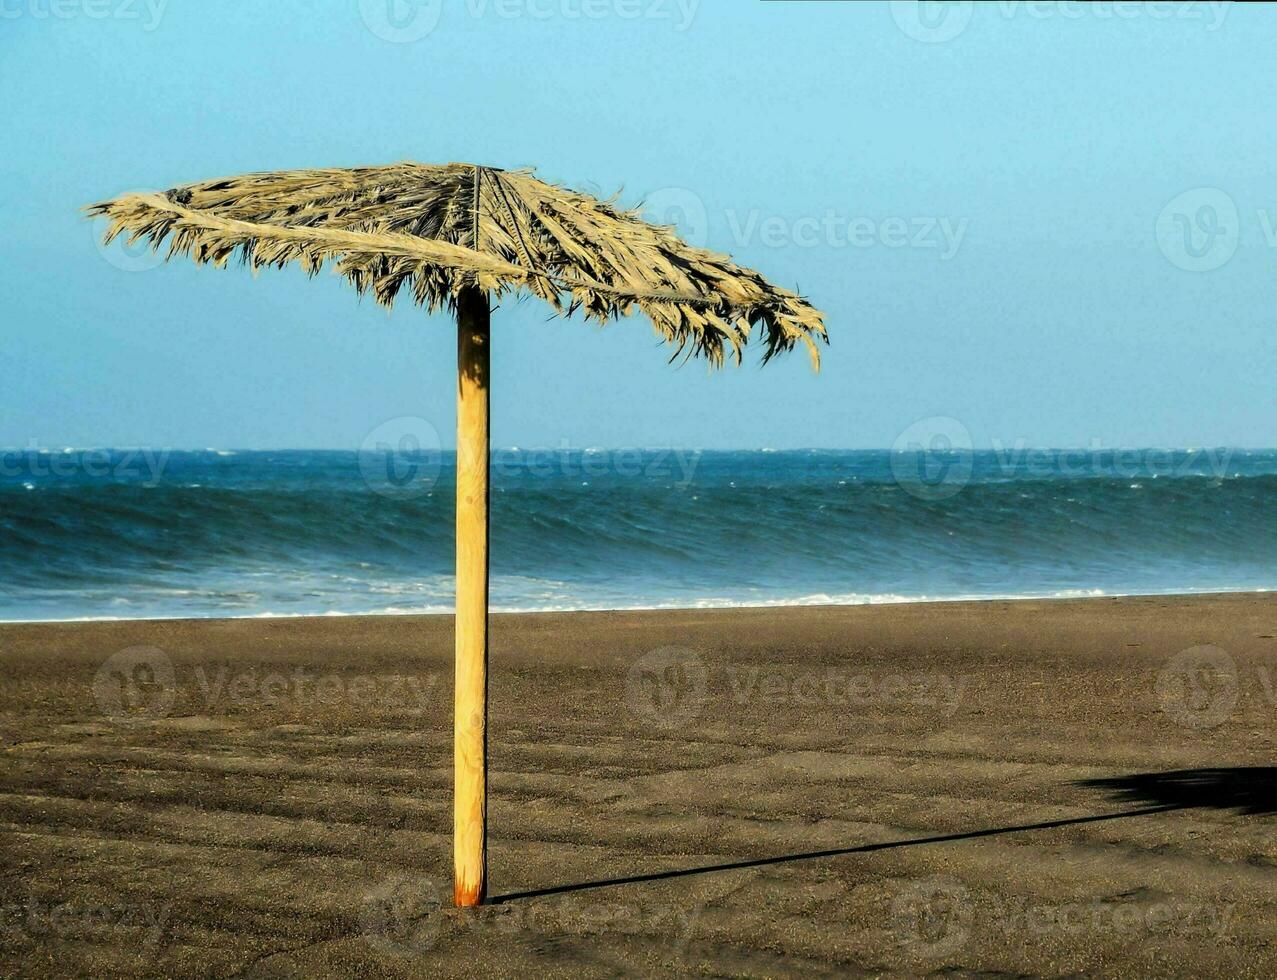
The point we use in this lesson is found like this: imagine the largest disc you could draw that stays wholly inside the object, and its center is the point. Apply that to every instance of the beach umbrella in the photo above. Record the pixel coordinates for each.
(459, 237)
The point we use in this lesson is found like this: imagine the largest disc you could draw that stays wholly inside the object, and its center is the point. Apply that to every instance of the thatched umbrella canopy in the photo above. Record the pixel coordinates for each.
(441, 229)
(457, 236)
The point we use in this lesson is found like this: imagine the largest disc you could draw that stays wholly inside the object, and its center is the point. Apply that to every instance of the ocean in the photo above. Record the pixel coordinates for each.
(120, 533)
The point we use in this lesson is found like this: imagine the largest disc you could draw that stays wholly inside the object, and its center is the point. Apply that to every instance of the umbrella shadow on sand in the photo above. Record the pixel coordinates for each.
(1249, 790)
(1245, 790)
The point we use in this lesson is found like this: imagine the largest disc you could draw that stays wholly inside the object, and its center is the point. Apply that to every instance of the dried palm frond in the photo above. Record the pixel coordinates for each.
(441, 229)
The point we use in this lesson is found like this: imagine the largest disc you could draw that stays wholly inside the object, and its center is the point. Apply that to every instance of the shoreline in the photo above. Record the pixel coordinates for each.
(817, 602)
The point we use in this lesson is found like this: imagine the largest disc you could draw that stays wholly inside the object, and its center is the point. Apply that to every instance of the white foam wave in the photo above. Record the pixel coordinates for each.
(814, 600)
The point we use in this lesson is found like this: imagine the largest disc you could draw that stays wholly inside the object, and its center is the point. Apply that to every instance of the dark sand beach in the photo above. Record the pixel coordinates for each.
(1031, 788)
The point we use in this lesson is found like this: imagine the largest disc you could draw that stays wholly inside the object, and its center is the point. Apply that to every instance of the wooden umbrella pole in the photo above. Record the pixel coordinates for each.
(470, 698)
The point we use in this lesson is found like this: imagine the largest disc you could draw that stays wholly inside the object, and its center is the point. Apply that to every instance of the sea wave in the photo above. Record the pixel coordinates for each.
(132, 533)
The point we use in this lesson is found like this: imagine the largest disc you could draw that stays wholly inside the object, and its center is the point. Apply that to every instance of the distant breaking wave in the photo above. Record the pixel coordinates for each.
(124, 534)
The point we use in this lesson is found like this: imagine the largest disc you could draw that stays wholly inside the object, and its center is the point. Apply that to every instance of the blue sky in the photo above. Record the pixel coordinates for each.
(1015, 216)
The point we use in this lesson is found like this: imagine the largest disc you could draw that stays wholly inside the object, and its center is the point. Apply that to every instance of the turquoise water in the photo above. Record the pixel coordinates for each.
(122, 533)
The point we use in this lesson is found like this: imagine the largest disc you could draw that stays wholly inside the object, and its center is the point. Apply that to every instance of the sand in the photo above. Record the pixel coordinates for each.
(999, 788)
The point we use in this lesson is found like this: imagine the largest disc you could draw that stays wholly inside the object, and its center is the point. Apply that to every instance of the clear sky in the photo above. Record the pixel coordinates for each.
(1016, 216)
